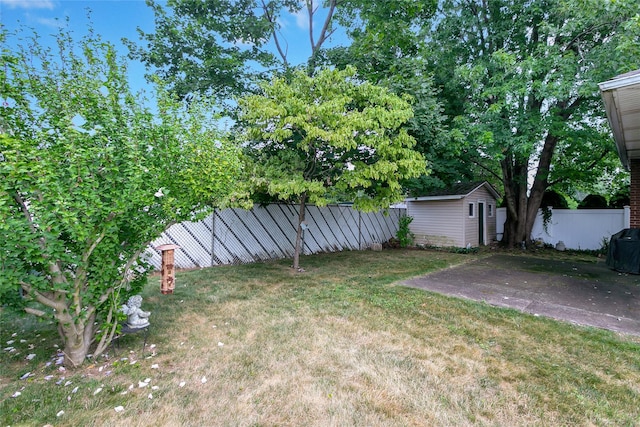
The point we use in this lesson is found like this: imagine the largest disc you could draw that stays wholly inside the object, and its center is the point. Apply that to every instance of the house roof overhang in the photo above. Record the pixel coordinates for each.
(621, 96)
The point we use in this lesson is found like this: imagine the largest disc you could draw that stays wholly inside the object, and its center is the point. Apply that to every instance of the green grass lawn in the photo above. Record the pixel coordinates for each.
(340, 344)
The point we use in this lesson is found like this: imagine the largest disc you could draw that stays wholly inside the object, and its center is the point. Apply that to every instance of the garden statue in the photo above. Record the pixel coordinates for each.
(136, 318)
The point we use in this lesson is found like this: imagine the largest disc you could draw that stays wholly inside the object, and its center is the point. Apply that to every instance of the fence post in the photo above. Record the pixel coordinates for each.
(359, 230)
(213, 237)
(627, 217)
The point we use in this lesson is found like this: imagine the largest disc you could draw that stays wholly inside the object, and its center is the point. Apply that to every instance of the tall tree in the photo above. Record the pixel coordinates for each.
(519, 78)
(316, 139)
(88, 176)
(197, 63)
(224, 47)
(387, 48)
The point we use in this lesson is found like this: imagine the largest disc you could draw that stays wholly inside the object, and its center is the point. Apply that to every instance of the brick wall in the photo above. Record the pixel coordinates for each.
(635, 193)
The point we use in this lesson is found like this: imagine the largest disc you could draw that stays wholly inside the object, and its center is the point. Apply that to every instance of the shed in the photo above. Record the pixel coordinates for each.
(461, 215)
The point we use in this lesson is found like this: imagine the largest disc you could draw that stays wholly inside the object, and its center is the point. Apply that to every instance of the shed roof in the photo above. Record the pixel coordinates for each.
(621, 97)
(456, 191)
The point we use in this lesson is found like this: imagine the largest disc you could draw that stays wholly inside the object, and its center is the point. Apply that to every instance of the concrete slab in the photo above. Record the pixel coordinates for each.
(582, 293)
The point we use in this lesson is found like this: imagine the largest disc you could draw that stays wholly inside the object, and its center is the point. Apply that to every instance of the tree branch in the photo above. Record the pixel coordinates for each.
(274, 33)
(54, 267)
(593, 29)
(107, 337)
(25, 211)
(41, 298)
(35, 312)
(323, 33)
(96, 242)
(310, 11)
(589, 167)
(486, 168)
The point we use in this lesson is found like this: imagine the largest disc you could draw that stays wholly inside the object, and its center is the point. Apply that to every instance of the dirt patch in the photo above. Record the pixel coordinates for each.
(584, 293)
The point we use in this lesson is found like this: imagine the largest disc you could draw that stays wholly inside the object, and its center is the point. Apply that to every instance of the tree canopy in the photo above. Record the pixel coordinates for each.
(224, 47)
(329, 138)
(519, 80)
(88, 176)
(515, 79)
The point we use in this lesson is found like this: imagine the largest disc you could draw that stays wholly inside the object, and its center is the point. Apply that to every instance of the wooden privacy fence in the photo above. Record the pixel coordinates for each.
(234, 236)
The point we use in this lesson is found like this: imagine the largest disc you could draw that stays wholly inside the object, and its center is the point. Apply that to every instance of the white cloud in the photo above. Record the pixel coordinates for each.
(50, 22)
(28, 4)
(302, 18)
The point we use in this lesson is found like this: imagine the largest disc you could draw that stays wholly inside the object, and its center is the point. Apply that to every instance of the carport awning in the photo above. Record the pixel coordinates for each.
(621, 96)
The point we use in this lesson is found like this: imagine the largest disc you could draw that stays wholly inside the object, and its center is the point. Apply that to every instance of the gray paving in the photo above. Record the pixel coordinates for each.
(583, 293)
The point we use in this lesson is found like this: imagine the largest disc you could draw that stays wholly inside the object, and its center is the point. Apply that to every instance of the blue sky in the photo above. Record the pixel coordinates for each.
(117, 19)
(112, 19)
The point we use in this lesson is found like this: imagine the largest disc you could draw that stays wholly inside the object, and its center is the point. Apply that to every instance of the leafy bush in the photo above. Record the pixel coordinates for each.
(404, 234)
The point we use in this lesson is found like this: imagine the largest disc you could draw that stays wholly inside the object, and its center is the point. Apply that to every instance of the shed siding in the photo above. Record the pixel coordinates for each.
(437, 223)
(447, 222)
(472, 224)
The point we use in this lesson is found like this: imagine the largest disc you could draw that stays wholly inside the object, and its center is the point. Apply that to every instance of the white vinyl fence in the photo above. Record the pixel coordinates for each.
(583, 229)
(233, 236)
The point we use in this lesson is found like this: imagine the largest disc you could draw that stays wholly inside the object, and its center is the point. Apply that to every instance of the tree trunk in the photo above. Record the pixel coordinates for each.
(514, 173)
(522, 208)
(541, 181)
(77, 337)
(298, 247)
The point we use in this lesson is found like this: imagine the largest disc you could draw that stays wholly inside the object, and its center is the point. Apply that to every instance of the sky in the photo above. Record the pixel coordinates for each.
(114, 20)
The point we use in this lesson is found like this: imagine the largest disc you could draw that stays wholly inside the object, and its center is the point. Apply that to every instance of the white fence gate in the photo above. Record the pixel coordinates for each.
(233, 236)
(583, 229)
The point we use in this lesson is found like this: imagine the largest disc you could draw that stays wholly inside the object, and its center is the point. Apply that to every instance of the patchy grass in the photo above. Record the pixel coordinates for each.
(340, 344)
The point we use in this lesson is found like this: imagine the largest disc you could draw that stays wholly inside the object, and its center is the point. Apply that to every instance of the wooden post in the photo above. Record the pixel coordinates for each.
(168, 268)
